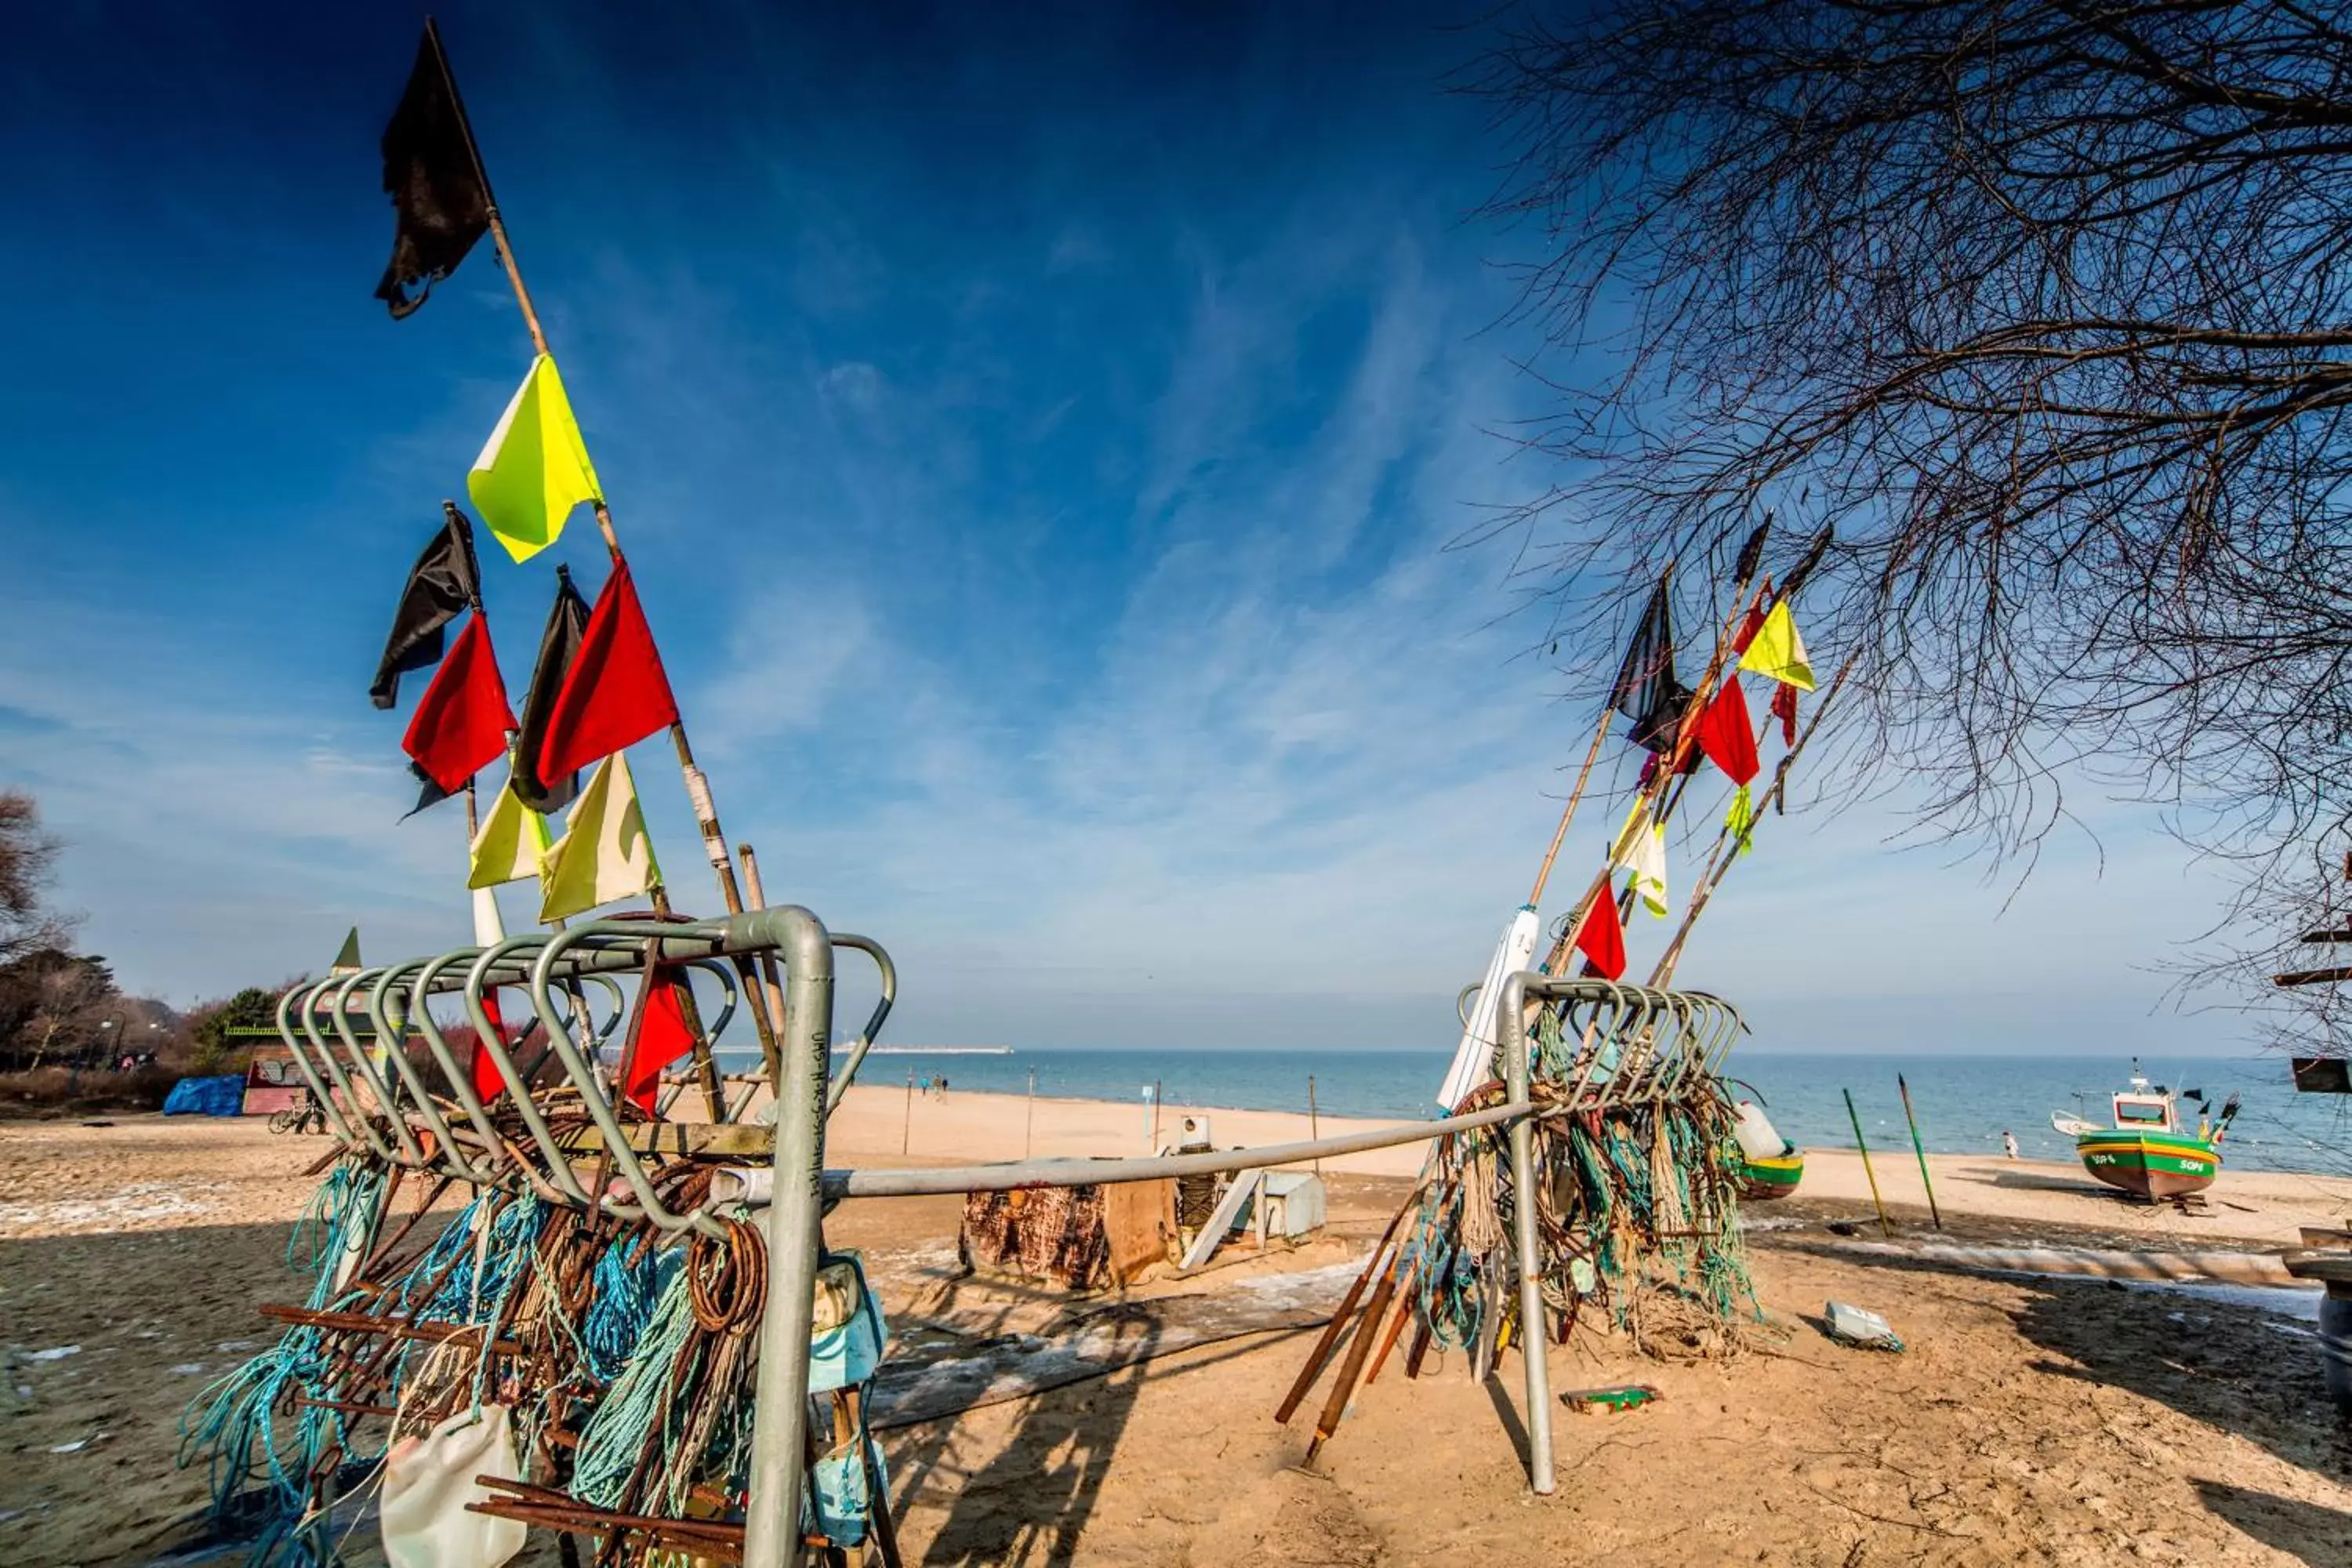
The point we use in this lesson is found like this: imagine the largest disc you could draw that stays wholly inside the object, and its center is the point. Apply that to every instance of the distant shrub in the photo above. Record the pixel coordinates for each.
(54, 1091)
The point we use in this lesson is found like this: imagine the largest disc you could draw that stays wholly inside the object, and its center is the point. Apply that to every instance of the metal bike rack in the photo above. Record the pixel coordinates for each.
(1632, 1044)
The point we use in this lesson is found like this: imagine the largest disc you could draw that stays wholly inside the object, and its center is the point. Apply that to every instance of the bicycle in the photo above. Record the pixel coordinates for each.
(304, 1116)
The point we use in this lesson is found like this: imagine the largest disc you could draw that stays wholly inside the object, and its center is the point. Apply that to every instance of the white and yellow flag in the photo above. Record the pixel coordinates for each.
(1642, 850)
(604, 853)
(509, 846)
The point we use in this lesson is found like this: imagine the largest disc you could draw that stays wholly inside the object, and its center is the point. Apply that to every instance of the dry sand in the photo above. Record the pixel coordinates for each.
(2031, 1420)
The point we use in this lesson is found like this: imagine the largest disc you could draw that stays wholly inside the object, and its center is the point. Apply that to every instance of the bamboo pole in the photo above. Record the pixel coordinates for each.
(1724, 855)
(697, 788)
(1919, 1149)
(1670, 763)
(1591, 755)
(1884, 1225)
(768, 975)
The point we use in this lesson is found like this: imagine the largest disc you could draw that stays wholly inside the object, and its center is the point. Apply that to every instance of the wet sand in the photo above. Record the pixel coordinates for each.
(2031, 1420)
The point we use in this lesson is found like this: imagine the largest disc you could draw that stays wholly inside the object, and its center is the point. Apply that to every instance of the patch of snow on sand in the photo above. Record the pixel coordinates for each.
(140, 1201)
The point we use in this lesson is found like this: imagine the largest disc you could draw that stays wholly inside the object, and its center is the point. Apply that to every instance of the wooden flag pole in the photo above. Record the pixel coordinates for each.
(697, 787)
(1724, 856)
(1543, 872)
(1670, 764)
(768, 975)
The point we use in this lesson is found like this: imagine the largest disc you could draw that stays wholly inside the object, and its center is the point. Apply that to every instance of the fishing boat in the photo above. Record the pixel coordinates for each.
(2149, 1152)
(1769, 1165)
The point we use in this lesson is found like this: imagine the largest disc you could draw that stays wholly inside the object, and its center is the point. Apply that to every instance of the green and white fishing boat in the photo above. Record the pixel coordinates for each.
(2150, 1152)
(1769, 1165)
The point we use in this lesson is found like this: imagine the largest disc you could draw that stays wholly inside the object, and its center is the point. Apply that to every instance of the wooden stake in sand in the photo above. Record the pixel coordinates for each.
(1920, 1150)
(1886, 1224)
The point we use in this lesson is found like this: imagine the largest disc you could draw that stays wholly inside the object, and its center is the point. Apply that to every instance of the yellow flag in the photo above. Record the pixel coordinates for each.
(604, 853)
(1778, 652)
(511, 843)
(1642, 850)
(534, 469)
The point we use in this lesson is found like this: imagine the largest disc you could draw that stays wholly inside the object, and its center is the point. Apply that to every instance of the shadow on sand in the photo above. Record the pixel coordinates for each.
(2319, 1536)
(2023, 1179)
(2234, 1368)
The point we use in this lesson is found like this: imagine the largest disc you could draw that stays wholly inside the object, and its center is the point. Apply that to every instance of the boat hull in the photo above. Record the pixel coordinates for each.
(2153, 1165)
(1761, 1181)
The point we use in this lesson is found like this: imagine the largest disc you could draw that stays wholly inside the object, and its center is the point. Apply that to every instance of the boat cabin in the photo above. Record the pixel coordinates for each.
(2148, 1109)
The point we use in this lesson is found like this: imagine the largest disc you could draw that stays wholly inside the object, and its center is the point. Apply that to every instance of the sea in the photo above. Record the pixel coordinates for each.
(1964, 1103)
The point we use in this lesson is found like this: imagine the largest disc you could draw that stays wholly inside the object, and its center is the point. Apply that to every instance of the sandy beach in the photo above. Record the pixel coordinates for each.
(2031, 1420)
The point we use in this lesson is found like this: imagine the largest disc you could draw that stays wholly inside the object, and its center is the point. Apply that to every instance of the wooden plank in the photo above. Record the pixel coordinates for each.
(2311, 976)
(684, 1138)
(1139, 1218)
(1206, 1244)
(2325, 1236)
(2333, 1267)
(2321, 1075)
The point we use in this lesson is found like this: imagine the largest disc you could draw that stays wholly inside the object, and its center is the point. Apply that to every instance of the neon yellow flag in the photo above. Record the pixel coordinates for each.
(511, 843)
(534, 469)
(1642, 850)
(604, 853)
(1779, 653)
(1740, 820)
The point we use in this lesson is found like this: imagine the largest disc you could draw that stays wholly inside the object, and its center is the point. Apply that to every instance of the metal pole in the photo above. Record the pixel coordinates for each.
(1886, 1224)
(1019, 1175)
(906, 1128)
(772, 1525)
(1920, 1150)
(1533, 1337)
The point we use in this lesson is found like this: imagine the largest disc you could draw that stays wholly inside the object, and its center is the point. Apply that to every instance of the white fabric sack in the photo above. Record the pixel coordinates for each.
(1515, 952)
(428, 1481)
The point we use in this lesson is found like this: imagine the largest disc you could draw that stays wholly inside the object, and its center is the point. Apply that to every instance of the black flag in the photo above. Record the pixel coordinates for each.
(1646, 690)
(1804, 568)
(440, 585)
(566, 623)
(1751, 555)
(434, 181)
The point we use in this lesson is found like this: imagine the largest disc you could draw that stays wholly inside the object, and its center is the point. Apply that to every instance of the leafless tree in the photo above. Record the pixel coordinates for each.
(27, 858)
(69, 995)
(2043, 303)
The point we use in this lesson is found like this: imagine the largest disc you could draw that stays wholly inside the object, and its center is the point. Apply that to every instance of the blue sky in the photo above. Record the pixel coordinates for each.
(1036, 443)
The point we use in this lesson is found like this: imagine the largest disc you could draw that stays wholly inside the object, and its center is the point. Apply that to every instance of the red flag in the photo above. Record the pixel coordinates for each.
(461, 723)
(1601, 939)
(615, 693)
(1755, 621)
(488, 1082)
(1726, 734)
(1784, 709)
(657, 1037)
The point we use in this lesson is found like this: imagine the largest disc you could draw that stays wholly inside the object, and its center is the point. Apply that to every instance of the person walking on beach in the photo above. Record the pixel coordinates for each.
(2008, 1141)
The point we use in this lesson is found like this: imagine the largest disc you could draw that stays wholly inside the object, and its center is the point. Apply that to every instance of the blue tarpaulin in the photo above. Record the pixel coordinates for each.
(207, 1096)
